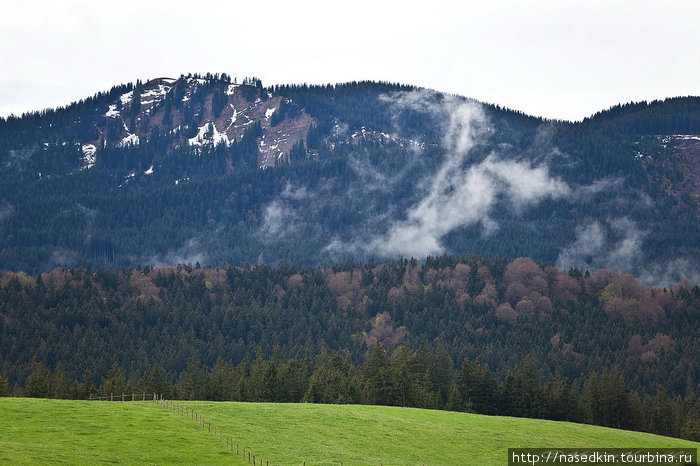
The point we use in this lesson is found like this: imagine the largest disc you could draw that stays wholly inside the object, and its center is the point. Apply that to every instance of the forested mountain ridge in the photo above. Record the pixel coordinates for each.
(204, 169)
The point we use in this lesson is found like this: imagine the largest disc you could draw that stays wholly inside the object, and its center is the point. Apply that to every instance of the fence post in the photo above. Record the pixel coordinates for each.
(112, 396)
(122, 397)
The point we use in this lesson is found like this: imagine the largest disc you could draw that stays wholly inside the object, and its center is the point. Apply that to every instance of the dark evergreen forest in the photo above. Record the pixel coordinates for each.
(472, 334)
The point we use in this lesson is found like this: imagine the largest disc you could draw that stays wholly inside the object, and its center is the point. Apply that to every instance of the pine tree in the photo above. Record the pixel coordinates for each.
(524, 390)
(155, 382)
(592, 400)
(38, 383)
(219, 383)
(191, 382)
(115, 383)
(403, 377)
(478, 388)
(4, 385)
(376, 377)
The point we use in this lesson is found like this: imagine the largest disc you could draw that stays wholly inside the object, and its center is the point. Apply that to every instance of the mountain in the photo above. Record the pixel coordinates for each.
(204, 169)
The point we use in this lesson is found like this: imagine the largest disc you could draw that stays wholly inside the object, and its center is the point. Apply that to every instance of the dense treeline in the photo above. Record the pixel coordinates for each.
(424, 378)
(572, 324)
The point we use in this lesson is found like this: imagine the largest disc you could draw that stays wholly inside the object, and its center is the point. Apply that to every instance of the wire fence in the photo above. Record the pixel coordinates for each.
(213, 429)
(126, 397)
(191, 414)
(201, 421)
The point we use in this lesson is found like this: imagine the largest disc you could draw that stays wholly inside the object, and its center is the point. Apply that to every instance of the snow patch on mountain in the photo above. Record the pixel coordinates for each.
(130, 140)
(112, 112)
(155, 94)
(208, 134)
(686, 137)
(233, 117)
(126, 98)
(89, 156)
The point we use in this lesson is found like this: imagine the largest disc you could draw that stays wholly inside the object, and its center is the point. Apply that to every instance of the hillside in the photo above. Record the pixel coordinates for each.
(82, 432)
(493, 337)
(284, 434)
(205, 169)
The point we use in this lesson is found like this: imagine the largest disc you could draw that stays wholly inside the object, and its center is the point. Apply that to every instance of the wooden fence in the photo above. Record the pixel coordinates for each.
(126, 397)
(192, 415)
(213, 429)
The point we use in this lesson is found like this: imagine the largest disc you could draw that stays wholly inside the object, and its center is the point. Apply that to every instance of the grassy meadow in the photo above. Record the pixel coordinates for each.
(351, 434)
(37, 431)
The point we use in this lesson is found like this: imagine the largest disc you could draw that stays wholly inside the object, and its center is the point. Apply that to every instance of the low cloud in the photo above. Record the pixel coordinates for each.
(280, 217)
(461, 192)
(191, 252)
(616, 245)
(670, 273)
(464, 197)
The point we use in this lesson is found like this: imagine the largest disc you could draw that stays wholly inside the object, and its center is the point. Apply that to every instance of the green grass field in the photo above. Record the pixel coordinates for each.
(75, 432)
(37, 431)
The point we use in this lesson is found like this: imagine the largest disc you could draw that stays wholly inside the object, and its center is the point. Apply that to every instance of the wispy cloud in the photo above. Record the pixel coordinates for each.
(461, 192)
(192, 251)
(281, 217)
(615, 245)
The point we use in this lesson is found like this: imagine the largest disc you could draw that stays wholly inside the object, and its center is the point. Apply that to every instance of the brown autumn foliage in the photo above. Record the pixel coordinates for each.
(146, 289)
(385, 332)
(522, 277)
(346, 287)
(564, 287)
(625, 296)
(661, 343)
(506, 312)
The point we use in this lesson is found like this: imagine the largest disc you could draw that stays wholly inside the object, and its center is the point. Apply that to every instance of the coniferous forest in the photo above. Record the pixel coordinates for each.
(470, 334)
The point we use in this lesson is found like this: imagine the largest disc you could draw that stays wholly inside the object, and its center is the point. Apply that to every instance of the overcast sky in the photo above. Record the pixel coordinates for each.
(552, 58)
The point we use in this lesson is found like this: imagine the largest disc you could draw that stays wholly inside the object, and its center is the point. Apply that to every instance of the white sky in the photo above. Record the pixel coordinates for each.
(553, 58)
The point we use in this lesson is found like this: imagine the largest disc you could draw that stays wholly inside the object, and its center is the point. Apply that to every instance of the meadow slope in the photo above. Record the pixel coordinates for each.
(41, 431)
(352, 434)
(38, 431)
